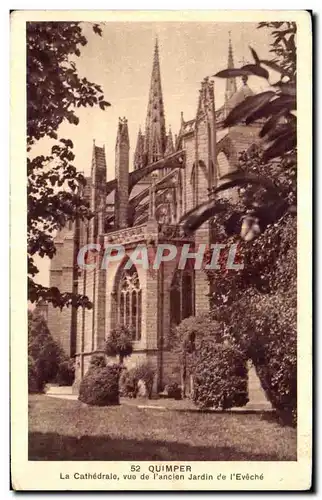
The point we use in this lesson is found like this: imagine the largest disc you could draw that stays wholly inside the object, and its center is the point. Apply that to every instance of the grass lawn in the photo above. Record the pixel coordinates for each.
(61, 429)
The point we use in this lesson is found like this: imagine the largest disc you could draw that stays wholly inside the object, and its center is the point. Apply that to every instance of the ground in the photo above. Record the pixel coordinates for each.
(61, 429)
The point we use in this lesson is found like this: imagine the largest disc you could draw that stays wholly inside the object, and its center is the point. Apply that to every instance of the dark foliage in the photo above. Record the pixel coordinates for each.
(54, 92)
(44, 354)
(220, 377)
(98, 360)
(173, 390)
(36, 384)
(66, 373)
(100, 386)
(128, 383)
(146, 373)
(119, 343)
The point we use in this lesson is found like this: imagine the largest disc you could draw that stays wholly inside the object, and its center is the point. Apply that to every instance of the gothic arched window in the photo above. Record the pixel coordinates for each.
(129, 299)
(182, 296)
(223, 164)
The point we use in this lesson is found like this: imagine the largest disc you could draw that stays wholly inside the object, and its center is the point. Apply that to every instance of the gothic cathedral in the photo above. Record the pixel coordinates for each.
(143, 205)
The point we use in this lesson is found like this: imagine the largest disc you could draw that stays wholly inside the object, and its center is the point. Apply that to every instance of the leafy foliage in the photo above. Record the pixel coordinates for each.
(269, 260)
(119, 343)
(36, 384)
(257, 304)
(54, 92)
(146, 373)
(100, 386)
(97, 361)
(276, 107)
(173, 390)
(220, 377)
(66, 373)
(44, 354)
(187, 335)
(207, 351)
(264, 327)
(128, 383)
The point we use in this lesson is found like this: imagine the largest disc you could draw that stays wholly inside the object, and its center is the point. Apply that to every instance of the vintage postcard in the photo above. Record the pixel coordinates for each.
(161, 215)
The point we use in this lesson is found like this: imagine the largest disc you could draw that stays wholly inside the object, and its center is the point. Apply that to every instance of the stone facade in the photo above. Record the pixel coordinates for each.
(147, 214)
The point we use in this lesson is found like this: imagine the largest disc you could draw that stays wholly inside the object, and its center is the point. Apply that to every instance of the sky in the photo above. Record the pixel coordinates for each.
(121, 62)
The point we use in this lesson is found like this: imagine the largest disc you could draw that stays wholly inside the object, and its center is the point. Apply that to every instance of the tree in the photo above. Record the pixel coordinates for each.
(54, 92)
(44, 353)
(257, 304)
(119, 343)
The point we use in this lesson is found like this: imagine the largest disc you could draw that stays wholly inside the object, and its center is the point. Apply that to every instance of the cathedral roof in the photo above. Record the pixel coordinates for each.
(239, 96)
(137, 189)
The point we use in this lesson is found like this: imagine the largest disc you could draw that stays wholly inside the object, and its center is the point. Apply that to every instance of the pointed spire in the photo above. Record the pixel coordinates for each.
(139, 151)
(231, 87)
(230, 53)
(155, 135)
(170, 147)
(122, 133)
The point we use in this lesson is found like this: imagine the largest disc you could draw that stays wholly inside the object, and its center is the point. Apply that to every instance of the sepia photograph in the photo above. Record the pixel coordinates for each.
(163, 197)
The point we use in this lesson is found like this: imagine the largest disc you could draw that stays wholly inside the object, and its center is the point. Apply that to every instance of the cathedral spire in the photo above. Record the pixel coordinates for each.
(231, 87)
(155, 134)
(169, 147)
(139, 151)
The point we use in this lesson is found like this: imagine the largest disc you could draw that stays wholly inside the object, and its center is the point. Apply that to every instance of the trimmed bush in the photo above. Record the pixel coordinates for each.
(173, 390)
(119, 343)
(128, 383)
(100, 386)
(220, 376)
(97, 361)
(129, 380)
(145, 372)
(66, 373)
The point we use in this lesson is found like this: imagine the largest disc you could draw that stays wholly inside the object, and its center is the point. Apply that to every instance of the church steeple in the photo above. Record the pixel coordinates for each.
(169, 147)
(231, 87)
(155, 133)
(139, 151)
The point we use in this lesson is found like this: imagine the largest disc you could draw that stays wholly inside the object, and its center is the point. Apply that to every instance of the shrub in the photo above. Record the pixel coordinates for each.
(128, 383)
(145, 372)
(97, 361)
(100, 387)
(35, 383)
(273, 350)
(129, 380)
(220, 376)
(173, 390)
(45, 352)
(66, 372)
(119, 343)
